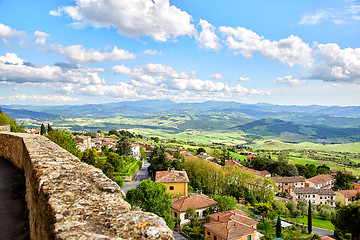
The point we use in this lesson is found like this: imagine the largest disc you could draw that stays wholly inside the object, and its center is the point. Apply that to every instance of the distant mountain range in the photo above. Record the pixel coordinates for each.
(334, 123)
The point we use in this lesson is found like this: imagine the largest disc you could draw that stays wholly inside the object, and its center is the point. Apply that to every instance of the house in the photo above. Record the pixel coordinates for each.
(32, 131)
(82, 142)
(232, 224)
(346, 196)
(205, 156)
(176, 181)
(322, 181)
(316, 196)
(356, 186)
(233, 163)
(285, 183)
(198, 202)
(135, 150)
(335, 172)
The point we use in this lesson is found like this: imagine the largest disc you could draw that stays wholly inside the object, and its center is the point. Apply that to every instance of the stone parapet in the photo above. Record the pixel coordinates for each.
(69, 199)
(4, 128)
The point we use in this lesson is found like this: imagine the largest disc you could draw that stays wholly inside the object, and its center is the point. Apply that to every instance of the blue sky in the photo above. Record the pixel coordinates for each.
(96, 51)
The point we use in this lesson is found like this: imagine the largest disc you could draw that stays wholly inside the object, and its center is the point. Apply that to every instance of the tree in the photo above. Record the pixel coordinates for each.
(278, 228)
(343, 181)
(5, 119)
(65, 140)
(191, 214)
(325, 211)
(42, 129)
(309, 218)
(225, 202)
(124, 147)
(302, 206)
(115, 161)
(264, 209)
(49, 128)
(200, 150)
(152, 197)
(347, 219)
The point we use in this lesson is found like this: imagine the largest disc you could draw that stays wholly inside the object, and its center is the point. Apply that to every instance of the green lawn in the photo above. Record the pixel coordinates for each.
(316, 222)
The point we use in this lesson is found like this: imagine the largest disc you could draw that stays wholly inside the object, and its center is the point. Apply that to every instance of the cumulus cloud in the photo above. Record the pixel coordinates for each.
(153, 52)
(289, 80)
(154, 18)
(207, 38)
(15, 69)
(337, 65)
(79, 54)
(40, 98)
(217, 76)
(289, 51)
(161, 78)
(6, 31)
(40, 37)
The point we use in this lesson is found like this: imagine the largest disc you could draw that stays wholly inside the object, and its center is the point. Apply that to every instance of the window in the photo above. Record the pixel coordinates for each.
(320, 197)
(320, 202)
(208, 233)
(302, 183)
(215, 237)
(171, 188)
(313, 196)
(175, 214)
(331, 203)
(249, 237)
(286, 184)
(313, 201)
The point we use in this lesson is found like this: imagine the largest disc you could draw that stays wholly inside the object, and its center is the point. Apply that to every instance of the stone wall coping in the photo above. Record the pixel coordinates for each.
(69, 199)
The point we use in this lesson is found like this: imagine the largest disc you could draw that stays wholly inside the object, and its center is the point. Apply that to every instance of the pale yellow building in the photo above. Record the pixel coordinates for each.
(176, 181)
(346, 196)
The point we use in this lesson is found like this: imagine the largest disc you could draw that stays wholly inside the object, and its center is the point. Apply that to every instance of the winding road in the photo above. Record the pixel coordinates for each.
(142, 175)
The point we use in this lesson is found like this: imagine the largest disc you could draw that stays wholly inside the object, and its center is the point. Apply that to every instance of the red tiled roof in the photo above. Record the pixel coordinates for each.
(288, 179)
(181, 204)
(320, 179)
(256, 172)
(235, 215)
(311, 190)
(349, 193)
(230, 229)
(171, 176)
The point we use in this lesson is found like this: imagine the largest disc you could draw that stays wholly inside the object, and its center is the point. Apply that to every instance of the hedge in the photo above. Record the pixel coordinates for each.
(134, 167)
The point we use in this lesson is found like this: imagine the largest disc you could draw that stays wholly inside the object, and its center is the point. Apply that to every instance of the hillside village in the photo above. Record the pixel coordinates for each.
(219, 198)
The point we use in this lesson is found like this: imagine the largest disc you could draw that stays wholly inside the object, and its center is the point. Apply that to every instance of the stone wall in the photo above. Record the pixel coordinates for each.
(68, 199)
(4, 128)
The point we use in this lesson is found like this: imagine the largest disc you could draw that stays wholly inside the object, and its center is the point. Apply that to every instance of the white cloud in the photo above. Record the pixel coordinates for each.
(153, 52)
(121, 69)
(40, 37)
(289, 51)
(289, 80)
(207, 38)
(78, 54)
(347, 15)
(154, 18)
(217, 76)
(242, 79)
(15, 69)
(56, 13)
(338, 65)
(6, 31)
(40, 98)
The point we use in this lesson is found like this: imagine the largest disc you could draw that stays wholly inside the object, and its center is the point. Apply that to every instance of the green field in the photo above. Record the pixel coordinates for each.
(316, 222)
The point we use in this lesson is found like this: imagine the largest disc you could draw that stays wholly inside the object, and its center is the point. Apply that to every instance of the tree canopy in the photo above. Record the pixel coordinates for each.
(347, 219)
(152, 197)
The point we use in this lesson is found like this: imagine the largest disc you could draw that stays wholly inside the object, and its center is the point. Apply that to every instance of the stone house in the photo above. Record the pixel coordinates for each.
(232, 224)
(316, 196)
(322, 181)
(346, 196)
(176, 182)
(198, 202)
(82, 142)
(284, 184)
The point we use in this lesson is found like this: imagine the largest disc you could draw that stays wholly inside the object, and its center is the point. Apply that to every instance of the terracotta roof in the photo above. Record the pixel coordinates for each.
(230, 229)
(256, 172)
(181, 204)
(311, 190)
(349, 193)
(235, 215)
(327, 238)
(171, 176)
(320, 179)
(288, 179)
(335, 172)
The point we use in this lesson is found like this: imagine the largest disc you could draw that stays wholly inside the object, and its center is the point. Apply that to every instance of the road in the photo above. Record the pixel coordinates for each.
(322, 232)
(178, 236)
(13, 225)
(142, 175)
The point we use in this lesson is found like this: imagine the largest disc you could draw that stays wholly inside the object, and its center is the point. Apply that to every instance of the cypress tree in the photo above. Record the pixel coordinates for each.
(278, 227)
(42, 129)
(49, 128)
(309, 219)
